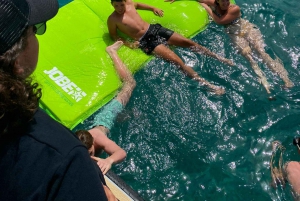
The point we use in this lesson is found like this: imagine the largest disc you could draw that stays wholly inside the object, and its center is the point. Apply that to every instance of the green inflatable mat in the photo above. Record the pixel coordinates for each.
(76, 74)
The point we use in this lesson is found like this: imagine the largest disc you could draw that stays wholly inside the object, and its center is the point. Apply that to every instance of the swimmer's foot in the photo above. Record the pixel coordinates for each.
(266, 85)
(210, 87)
(114, 47)
(268, 90)
(261, 77)
(228, 61)
(288, 84)
(217, 90)
(277, 67)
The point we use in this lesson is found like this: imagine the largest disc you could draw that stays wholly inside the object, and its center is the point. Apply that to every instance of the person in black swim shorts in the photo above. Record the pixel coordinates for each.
(155, 36)
(153, 39)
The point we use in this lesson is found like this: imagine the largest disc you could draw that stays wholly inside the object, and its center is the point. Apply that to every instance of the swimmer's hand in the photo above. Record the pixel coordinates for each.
(230, 63)
(204, 5)
(158, 12)
(171, 1)
(133, 45)
(214, 89)
(104, 164)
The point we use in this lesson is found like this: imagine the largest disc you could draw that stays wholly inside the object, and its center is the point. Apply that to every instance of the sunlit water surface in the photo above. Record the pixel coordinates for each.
(184, 143)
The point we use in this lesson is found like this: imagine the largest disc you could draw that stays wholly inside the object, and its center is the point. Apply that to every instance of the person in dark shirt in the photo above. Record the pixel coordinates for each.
(39, 158)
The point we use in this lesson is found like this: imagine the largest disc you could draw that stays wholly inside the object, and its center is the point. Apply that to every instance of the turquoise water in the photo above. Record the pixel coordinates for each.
(184, 143)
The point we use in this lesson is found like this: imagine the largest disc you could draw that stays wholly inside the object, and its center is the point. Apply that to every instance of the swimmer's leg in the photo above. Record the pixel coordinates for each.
(256, 40)
(180, 41)
(246, 52)
(277, 67)
(123, 72)
(167, 54)
(243, 47)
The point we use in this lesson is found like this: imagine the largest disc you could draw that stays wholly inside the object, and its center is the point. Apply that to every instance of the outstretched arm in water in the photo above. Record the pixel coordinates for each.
(200, 1)
(142, 6)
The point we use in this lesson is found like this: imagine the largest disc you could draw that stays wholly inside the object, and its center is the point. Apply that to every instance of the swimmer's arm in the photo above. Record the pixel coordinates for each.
(117, 154)
(231, 14)
(112, 28)
(208, 2)
(142, 6)
(101, 141)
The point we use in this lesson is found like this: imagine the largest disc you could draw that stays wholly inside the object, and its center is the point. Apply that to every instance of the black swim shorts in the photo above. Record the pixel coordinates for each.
(155, 36)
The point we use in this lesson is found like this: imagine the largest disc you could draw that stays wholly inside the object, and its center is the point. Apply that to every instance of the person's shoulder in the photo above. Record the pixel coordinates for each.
(113, 17)
(233, 8)
(98, 130)
(130, 2)
(99, 135)
(50, 133)
(208, 2)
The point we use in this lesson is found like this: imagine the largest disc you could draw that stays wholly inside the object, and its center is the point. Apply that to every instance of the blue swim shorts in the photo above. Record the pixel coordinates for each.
(108, 114)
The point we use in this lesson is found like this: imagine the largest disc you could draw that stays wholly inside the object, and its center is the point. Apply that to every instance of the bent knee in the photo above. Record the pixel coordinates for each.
(129, 84)
(132, 83)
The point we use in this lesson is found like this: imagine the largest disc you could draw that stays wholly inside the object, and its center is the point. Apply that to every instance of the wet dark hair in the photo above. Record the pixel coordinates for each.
(19, 98)
(296, 141)
(85, 137)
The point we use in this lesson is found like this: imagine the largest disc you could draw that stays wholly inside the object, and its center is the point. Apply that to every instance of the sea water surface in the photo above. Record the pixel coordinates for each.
(184, 143)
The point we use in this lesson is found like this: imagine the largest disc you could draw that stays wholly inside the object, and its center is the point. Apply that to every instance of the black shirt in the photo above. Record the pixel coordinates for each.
(48, 162)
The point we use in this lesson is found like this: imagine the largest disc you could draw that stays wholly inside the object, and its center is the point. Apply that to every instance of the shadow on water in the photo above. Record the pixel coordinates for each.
(184, 143)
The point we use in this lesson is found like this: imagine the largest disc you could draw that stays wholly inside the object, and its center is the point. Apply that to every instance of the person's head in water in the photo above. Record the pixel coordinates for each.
(119, 6)
(87, 139)
(223, 4)
(296, 142)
